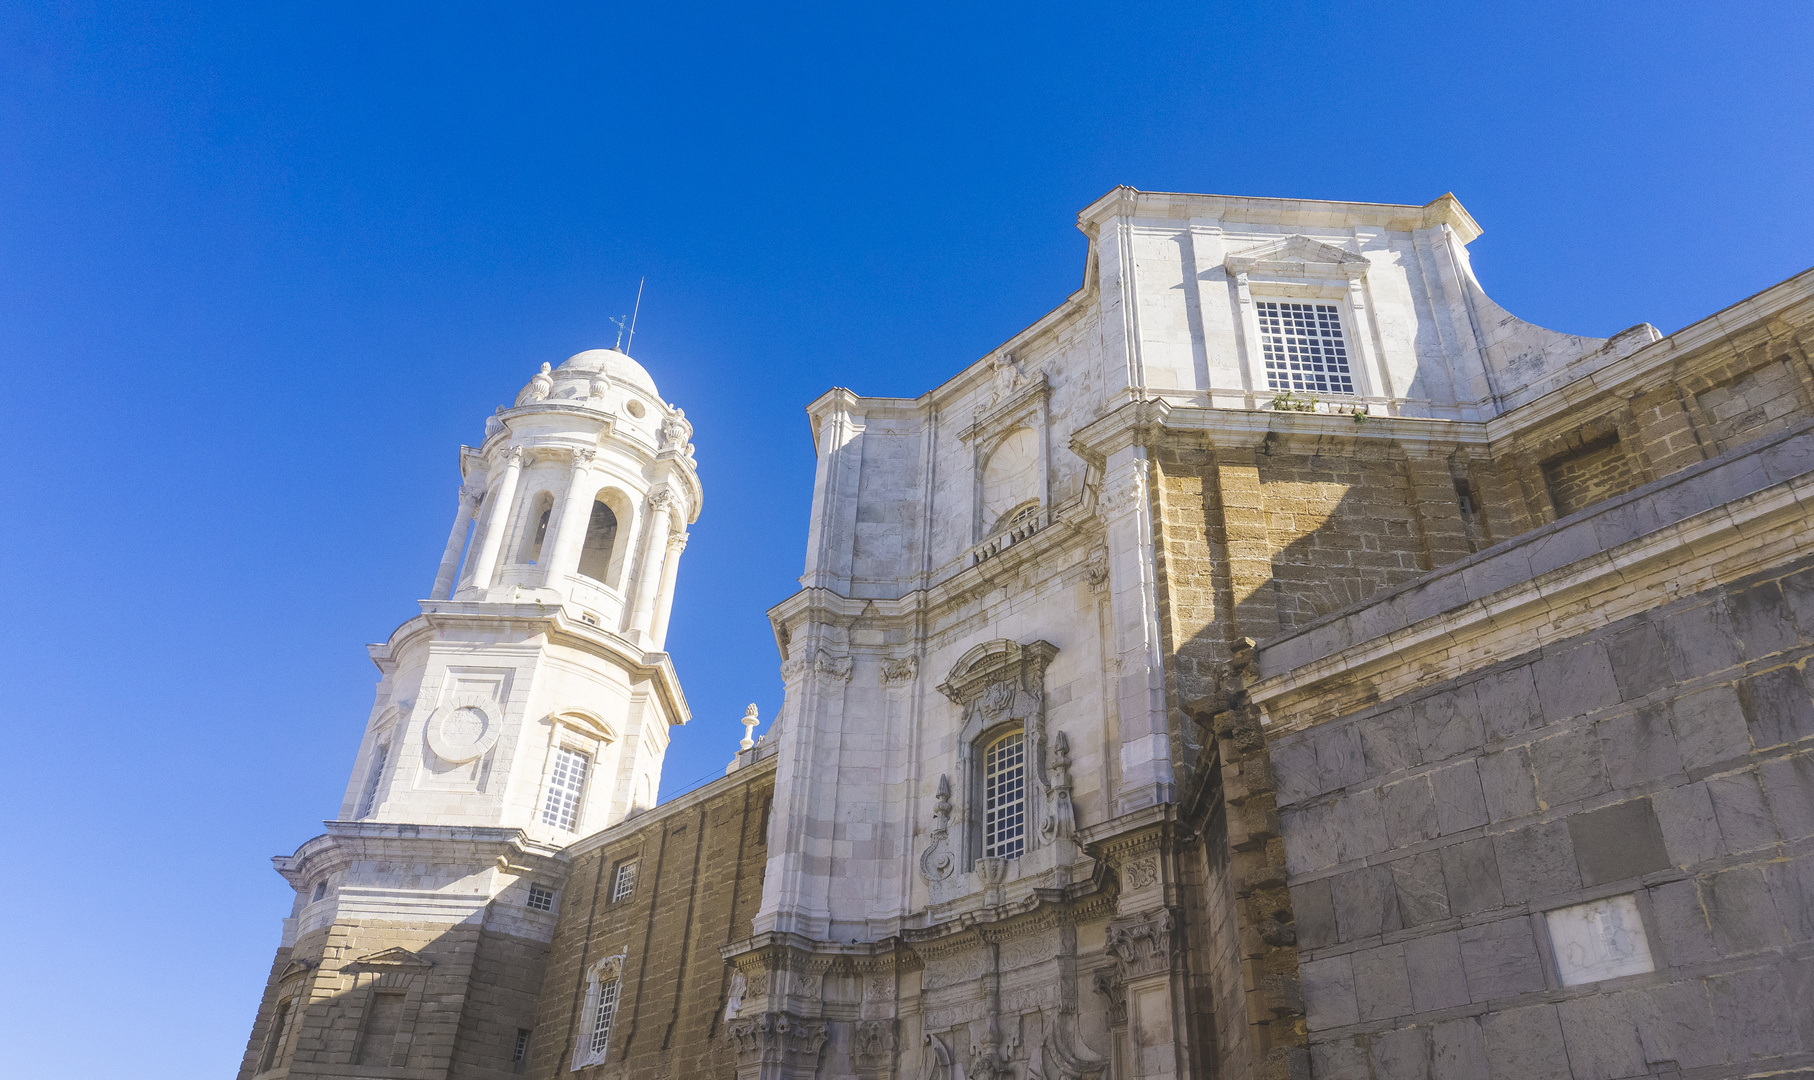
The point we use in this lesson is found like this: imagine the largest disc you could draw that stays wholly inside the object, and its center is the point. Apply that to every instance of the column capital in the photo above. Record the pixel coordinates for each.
(583, 457)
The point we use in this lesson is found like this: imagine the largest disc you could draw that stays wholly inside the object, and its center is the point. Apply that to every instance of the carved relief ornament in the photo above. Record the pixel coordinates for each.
(777, 1040)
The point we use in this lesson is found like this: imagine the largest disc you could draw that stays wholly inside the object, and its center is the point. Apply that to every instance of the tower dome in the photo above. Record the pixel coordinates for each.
(612, 363)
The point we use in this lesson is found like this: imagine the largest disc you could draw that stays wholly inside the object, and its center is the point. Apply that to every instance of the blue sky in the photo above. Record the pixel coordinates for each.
(263, 268)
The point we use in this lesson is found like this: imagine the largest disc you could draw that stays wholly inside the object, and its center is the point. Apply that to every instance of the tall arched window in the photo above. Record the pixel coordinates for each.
(1005, 796)
(601, 538)
(536, 528)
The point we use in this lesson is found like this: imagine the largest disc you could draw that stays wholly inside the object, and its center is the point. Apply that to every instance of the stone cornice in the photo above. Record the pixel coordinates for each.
(758, 770)
(552, 620)
(1737, 514)
(1128, 202)
(346, 841)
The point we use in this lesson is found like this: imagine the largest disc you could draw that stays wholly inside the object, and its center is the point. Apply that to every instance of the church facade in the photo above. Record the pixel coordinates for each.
(1277, 661)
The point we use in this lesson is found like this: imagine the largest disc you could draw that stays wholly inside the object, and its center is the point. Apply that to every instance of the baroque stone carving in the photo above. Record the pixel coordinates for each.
(993, 872)
(539, 385)
(939, 1062)
(873, 1043)
(675, 430)
(733, 1001)
(1061, 816)
(777, 1040)
(1061, 1058)
(1098, 568)
(900, 670)
(1003, 680)
(836, 667)
(1107, 982)
(937, 862)
(1143, 945)
(1142, 872)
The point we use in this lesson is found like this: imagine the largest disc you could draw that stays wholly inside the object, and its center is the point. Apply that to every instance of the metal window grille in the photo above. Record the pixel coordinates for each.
(601, 1020)
(561, 809)
(1304, 348)
(541, 899)
(1005, 797)
(623, 883)
(371, 781)
(521, 1054)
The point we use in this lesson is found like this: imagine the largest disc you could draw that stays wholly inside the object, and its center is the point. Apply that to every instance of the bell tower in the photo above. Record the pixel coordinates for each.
(525, 707)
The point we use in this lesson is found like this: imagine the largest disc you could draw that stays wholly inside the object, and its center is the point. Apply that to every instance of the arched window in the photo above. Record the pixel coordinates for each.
(601, 538)
(1005, 796)
(604, 980)
(536, 528)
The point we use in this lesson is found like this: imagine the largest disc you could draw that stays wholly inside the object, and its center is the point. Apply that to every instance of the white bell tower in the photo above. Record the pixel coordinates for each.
(532, 692)
(527, 706)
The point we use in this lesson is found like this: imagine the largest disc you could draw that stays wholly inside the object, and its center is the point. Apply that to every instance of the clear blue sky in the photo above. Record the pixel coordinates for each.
(263, 268)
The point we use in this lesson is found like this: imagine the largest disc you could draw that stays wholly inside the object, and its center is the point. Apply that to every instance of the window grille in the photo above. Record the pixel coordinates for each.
(1005, 797)
(541, 898)
(601, 1021)
(561, 809)
(1304, 348)
(521, 1054)
(623, 883)
(379, 756)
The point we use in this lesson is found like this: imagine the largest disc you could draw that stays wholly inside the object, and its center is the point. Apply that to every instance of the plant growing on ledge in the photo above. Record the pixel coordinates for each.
(1286, 401)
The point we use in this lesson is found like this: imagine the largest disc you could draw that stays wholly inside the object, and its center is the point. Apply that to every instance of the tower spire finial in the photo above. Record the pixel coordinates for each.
(633, 313)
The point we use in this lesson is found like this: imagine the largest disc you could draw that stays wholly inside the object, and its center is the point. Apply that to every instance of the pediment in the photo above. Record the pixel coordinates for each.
(995, 661)
(393, 958)
(1297, 256)
(295, 968)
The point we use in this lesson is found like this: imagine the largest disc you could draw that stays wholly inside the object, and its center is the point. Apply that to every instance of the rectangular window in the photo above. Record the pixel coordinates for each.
(1304, 348)
(623, 882)
(601, 1021)
(541, 898)
(280, 1023)
(521, 1053)
(565, 783)
(1005, 797)
(379, 756)
(383, 1018)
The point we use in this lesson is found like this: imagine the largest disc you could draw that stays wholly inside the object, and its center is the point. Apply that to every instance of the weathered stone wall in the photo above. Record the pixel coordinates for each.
(1668, 756)
(699, 882)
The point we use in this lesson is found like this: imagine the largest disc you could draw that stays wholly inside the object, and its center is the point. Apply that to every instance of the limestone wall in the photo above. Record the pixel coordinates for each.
(698, 883)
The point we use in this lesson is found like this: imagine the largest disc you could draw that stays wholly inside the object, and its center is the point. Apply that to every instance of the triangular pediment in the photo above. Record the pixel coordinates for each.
(393, 958)
(1297, 256)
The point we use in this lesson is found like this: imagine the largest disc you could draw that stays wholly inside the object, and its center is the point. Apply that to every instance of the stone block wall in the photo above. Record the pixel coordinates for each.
(700, 862)
(1667, 757)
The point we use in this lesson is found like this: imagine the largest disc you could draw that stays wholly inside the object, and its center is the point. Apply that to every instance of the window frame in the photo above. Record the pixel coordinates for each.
(605, 975)
(544, 893)
(1019, 807)
(1349, 353)
(272, 1055)
(622, 889)
(573, 813)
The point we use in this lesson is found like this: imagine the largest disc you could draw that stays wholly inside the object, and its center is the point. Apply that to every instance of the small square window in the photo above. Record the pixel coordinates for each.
(1603, 939)
(623, 882)
(541, 898)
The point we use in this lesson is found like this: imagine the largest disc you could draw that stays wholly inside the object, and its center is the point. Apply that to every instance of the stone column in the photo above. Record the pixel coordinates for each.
(497, 520)
(570, 528)
(456, 540)
(664, 599)
(650, 574)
